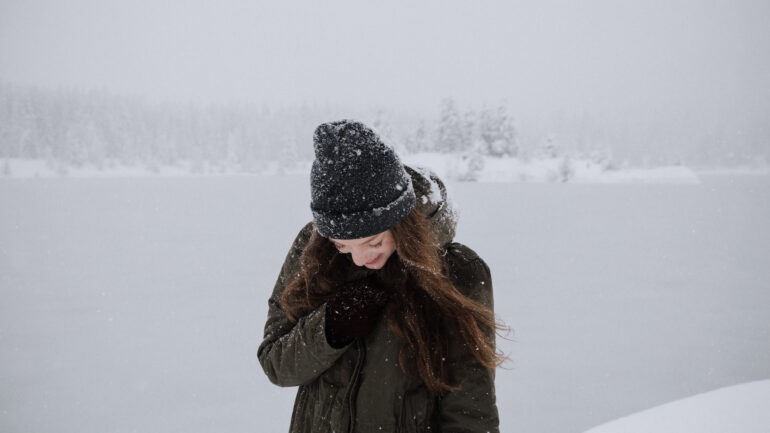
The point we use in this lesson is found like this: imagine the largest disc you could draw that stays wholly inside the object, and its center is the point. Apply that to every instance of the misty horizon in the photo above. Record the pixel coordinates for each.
(602, 58)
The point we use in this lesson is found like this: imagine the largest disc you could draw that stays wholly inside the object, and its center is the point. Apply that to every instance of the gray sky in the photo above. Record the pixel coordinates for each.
(599, 56)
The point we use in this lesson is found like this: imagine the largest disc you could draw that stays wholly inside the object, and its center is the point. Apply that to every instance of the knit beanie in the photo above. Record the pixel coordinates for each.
(359, 187)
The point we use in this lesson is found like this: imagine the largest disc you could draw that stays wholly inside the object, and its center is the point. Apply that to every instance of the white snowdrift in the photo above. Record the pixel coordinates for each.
(743, 408)
(453, 167)
(36, 168)
(545, 170)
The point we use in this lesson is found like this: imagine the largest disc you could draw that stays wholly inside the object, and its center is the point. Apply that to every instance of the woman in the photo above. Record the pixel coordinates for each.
(381, 320)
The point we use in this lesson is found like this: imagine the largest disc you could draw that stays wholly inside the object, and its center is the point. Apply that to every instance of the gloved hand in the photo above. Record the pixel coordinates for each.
(352, 311)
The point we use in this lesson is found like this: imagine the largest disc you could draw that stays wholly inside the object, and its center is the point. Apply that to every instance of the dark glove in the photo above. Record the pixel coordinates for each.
(353, 310)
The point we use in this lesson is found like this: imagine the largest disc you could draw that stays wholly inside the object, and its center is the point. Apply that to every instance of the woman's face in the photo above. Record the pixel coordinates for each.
(371, 252)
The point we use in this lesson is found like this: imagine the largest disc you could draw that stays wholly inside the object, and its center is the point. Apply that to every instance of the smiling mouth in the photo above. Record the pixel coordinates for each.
(375, 260)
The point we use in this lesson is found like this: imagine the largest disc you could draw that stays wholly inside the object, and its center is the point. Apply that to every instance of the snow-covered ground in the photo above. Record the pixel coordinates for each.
(743, 408)
(460, 167)
(138, 304)
(546, 170)
(36, 168)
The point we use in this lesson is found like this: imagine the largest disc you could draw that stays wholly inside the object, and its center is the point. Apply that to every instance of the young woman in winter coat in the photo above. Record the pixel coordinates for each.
(382, 321)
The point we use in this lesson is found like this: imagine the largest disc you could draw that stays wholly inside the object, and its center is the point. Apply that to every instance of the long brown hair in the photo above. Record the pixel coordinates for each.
(424, 301)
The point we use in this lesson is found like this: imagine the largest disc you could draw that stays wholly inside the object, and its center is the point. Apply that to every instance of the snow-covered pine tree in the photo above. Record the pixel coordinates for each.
(487, 129)
(498, 135)
(469, 130)
(449, 132)
(418, 141)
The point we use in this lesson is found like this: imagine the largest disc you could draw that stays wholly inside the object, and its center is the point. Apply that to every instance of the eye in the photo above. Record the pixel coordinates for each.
(377, 245)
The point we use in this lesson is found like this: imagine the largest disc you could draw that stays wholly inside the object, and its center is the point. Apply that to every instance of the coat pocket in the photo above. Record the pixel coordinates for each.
(416, 410)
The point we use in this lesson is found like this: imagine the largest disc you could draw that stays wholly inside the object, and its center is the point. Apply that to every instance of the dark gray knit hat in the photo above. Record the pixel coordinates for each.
(359, 187)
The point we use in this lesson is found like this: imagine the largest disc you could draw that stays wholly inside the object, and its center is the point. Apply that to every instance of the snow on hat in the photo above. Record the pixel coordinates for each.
(359, 187)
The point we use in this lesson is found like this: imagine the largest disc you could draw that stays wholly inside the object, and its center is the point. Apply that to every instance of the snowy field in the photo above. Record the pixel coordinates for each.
(743, 408)
(459, 167)
(137, 305)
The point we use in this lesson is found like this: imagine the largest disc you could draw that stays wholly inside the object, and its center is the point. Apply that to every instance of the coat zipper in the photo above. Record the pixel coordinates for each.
(352, 391)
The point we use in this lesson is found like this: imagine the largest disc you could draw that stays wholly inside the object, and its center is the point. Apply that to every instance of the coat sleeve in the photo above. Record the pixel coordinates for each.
(472, 408)
(295, 353)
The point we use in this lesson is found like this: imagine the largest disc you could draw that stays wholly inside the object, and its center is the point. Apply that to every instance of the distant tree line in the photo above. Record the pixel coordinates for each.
(489, 132)
(77, 127)
(95, 127)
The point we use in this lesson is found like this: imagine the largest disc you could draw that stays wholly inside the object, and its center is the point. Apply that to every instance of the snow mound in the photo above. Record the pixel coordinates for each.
(743, 408)
(38, 168)
(466, 167)
(473, 167)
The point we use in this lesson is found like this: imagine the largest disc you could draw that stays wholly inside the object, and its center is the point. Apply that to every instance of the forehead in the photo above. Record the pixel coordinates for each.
(355, 241)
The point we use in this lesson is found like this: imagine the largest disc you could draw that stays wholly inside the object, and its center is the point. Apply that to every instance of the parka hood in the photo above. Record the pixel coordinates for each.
(432, 201)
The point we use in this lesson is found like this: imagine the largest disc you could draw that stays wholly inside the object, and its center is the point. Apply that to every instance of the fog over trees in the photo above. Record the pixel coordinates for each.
(70, 127)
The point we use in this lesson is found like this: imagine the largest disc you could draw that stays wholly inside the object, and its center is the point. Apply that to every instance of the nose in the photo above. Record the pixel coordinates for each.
(361, 258)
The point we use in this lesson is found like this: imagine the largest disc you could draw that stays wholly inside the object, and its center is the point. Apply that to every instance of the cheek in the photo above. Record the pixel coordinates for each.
(388, 248)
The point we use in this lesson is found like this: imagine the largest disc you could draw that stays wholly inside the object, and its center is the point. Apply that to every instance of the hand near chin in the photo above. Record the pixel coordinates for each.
(353, 310)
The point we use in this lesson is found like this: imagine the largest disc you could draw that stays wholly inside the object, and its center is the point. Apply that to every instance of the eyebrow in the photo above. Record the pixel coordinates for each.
(364, 242)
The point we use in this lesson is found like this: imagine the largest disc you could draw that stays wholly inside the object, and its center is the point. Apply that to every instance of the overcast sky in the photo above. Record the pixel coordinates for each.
(539, 56)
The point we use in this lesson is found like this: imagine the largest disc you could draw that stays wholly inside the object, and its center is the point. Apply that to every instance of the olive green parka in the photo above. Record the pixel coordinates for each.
(361, 387)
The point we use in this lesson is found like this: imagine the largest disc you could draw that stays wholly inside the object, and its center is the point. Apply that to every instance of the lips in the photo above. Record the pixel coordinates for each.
(375, 260)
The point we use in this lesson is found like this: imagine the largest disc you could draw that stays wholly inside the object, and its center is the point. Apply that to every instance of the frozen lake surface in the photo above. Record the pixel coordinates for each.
(138, 304)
